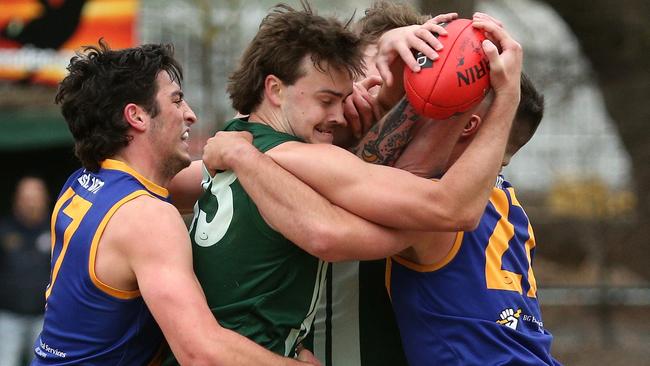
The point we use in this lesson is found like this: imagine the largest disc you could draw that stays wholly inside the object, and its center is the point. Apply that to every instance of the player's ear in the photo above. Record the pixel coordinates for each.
(136, 116)
(472, 125)
(273, 87)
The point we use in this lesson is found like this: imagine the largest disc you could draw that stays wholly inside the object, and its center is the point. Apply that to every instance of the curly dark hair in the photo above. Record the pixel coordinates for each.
(285, 37)
(100, 83)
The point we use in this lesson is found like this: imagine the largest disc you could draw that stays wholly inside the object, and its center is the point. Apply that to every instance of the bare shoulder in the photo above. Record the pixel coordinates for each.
(149, 210)
(146, 220)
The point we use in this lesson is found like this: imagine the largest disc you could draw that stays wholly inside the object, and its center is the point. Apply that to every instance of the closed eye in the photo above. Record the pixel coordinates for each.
(327, 102)
(177, 98)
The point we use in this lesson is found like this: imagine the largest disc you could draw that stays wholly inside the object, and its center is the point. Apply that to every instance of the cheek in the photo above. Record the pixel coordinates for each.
(310, 113)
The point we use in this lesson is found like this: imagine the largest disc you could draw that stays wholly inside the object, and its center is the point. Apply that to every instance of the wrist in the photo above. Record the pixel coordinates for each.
(240, 154)
(511, 91)
(506, 102)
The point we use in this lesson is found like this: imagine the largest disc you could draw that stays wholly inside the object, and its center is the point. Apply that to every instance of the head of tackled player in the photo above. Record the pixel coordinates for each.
(296, 72)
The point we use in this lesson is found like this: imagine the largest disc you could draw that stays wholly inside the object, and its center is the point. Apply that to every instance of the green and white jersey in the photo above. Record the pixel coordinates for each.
(354, 324)
(257, 282)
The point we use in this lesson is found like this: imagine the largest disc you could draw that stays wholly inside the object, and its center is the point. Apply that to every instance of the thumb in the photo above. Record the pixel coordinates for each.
(491, 51)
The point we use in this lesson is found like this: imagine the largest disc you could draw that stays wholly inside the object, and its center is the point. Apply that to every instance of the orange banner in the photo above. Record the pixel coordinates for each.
(38, 37)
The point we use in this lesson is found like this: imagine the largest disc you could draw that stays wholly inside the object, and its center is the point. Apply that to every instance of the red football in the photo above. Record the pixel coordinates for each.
(457, 80)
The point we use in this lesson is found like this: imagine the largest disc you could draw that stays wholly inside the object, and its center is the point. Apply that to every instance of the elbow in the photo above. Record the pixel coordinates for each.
(204, 354)
(324, 248)
(324, 243)
(195, 359)
(200, 353)
(468, 219)
(457, 218)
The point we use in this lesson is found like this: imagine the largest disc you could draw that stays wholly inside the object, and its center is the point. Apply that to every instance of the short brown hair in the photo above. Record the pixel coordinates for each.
(383, 16)
(530, 110)
(285, 37)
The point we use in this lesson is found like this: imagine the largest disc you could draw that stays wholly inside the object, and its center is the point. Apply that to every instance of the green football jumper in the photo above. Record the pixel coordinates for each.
(257, 282)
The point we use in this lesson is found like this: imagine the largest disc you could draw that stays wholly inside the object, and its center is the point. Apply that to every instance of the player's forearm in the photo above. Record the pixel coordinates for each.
(308, 219)
(225, 347)
(287, 204)
(185, 187)
(354, 238)
(387, 138)
(384, 195)
(234, 349)
(470, 180)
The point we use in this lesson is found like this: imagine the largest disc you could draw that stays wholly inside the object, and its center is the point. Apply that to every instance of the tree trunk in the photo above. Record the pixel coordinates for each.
(615, 37)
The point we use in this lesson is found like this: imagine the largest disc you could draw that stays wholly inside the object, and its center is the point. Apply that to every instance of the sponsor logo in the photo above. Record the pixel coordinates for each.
(514, 319)
(91, 183)
(53, 351)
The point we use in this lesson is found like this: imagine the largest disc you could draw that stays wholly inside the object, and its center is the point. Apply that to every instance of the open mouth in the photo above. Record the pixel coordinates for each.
(323, 130)
(185, 135)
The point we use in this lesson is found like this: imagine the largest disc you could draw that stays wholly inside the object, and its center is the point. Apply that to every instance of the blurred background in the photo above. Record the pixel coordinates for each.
(584, 178)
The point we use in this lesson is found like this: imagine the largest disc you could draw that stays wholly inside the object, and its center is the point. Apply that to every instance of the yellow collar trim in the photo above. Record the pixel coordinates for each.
(122, 166)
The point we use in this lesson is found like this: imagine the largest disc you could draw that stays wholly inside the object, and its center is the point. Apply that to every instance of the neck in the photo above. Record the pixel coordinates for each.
(272, 117)
(148, 168)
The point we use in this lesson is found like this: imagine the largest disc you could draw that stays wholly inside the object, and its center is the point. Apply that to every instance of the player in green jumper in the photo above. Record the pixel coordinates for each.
(257, 282)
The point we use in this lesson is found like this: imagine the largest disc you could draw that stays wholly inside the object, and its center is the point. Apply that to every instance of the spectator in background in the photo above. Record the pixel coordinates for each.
(24, 269)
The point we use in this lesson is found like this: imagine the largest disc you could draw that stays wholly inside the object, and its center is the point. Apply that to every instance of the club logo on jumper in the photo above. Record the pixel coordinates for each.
(472, 74)
(91, 183)
(509, 317)
(423, 61)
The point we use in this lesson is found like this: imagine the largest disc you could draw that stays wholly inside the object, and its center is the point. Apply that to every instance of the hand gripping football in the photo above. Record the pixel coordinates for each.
(457, 80)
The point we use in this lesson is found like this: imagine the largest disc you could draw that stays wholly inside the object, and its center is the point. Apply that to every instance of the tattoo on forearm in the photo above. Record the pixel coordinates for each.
(386, 140)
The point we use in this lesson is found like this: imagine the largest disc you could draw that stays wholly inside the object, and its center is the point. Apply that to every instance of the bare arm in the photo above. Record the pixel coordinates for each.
(296, 210)
(185, 188)
(162, 265)
(399, 199)
(385, 195)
